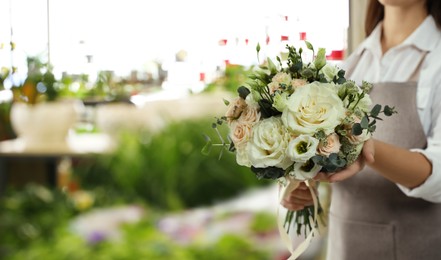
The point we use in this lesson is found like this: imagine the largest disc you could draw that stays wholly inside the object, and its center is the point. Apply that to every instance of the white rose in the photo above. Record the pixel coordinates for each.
(268, 144)
(242, 156)
(330, 145)
(305, 171)
(313, 107)
(330, 71)
(302, 148)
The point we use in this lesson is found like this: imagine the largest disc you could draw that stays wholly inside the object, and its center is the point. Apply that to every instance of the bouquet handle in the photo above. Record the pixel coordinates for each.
(283, 192)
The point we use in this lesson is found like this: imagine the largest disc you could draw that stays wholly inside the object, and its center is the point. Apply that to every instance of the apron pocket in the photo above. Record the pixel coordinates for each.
(349, 240)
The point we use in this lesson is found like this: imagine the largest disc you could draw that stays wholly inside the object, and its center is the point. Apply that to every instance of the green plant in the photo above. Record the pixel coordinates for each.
(167, 170)
(31, 214)
(140, 240)
(263, 222)
(234, 75)
(39, 85)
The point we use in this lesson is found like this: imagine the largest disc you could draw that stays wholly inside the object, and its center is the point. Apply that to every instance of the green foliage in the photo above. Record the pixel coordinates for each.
(31, 215)
(138, 241)
(263, 222)
(6, 130)
(167, 170)
(233, 76)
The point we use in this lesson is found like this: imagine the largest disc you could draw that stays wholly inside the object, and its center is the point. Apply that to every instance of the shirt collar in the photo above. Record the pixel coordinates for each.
(425, 38)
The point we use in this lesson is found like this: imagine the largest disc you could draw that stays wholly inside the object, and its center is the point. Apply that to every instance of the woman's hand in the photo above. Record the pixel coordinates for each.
(299, 198)
(366, 156)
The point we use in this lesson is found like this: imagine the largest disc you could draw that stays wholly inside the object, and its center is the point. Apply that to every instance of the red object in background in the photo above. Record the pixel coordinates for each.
(246, 41)
(227, 62)
(267, 39)
(336, 55)
(223, 42)
(201, 76)
(284, 38)
(302, 36)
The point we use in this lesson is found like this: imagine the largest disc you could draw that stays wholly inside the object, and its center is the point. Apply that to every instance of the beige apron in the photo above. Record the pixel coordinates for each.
(370, 218)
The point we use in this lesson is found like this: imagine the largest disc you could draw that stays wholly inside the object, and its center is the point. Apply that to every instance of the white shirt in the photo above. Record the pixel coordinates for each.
(399, 64)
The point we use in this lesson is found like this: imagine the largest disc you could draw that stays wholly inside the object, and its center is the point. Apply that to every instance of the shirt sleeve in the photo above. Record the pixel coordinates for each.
(430, 190)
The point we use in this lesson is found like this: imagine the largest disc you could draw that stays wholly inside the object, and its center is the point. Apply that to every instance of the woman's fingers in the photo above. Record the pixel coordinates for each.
(299, 198)
(368, 151)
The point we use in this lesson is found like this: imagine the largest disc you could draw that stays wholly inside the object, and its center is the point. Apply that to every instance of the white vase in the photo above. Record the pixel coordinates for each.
(44, 126)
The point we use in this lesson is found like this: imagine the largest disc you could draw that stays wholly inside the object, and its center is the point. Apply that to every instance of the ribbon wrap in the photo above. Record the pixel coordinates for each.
(284, 192)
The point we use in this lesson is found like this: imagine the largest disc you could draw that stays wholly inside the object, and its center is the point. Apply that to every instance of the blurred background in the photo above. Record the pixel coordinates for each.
(103, 108)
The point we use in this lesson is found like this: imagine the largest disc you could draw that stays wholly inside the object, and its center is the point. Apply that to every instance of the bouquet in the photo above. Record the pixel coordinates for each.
(293, 119)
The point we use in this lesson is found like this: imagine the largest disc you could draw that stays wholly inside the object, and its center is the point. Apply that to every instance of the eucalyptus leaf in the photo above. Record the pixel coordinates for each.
(376, 110)
(268, 172)
(357, 129)
(388, 111)
(243, 92)
(364, 122)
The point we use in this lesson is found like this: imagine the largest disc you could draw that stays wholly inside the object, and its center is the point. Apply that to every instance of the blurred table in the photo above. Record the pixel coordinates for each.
(46, 158)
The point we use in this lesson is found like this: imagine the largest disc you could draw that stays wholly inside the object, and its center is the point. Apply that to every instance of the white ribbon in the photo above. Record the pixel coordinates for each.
(301, 248)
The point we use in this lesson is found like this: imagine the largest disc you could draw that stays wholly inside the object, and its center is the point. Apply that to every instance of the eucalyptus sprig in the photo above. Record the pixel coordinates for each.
(368, 122)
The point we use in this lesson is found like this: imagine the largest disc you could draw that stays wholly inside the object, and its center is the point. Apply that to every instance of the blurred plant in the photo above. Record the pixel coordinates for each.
(166, 170)
(140, 240)
(233, 76)
(6, 131)
(105, 88)
(263, 222)
(40, 84)
(31, 214)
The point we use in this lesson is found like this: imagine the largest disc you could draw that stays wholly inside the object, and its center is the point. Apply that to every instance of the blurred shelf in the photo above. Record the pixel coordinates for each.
(76, 145)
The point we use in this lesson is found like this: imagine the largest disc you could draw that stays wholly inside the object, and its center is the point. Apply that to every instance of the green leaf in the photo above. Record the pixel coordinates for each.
(226, 102)
(320, 60)
(243, 92)
(364, 122)
(376, 110)
(388, 111)
(357, 129)
(271, 66)
(309, 45)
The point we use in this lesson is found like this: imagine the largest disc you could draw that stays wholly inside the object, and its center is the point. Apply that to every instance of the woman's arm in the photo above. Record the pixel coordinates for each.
(401, 166)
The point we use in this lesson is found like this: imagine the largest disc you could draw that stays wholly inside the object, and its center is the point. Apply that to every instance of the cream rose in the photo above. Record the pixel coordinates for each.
(313, 107)
(277, 80)
(235, 109)
(250, 115)
(296, 83)
(240, 133)
(330, 145)
(268, 144)
(302, 148)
